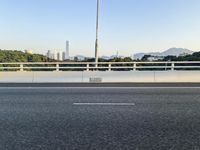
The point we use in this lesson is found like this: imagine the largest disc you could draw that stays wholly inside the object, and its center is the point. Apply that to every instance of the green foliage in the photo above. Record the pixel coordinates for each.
(145, 57)
(18, 56)
(117, 59)
(193, 57)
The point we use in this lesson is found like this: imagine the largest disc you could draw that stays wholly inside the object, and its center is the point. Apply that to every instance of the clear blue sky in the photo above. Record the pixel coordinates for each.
(128, 26)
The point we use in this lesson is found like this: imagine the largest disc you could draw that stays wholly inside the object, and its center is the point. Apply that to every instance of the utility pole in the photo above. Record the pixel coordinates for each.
(97, 35)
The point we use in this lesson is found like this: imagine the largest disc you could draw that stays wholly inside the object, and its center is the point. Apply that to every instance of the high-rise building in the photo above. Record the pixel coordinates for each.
(67, 50)
(49, 55)
(59, 56)
(55, 55)
(63, 56)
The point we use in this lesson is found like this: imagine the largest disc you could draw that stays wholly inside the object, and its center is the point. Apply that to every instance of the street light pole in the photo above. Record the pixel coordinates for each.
(97, 35)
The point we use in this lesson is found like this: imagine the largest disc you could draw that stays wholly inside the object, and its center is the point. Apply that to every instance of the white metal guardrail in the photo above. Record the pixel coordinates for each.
(102, 66)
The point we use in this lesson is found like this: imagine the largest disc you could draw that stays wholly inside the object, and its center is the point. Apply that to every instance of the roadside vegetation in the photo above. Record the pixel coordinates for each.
(19, 56)
(194, 57)
(7, 56)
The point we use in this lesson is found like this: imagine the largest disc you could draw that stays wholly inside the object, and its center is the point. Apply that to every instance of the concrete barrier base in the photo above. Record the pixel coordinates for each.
(103, 77)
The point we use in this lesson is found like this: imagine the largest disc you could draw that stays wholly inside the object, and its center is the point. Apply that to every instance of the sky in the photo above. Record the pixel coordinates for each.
(126, 26)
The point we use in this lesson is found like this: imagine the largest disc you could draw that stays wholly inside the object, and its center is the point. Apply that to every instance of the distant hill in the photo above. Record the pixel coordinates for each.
(177, 52)
(172, 52)
(79, 58)
(105, 57)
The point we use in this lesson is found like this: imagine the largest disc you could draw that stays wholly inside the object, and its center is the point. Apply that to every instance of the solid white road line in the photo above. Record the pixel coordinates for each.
(99, 87)
(105, 104)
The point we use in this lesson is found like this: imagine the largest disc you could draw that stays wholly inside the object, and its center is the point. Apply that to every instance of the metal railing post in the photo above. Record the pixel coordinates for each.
(134, 66)
(96, 66)
(109, 67)
(172, 67)
(57, 67)
(88, 67)
(21, 67)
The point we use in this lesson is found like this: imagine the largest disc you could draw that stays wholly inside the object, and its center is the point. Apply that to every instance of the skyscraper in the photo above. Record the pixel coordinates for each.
(59, 56)
(49, 55)
(63, 56)
(67, 50)
(55, 55)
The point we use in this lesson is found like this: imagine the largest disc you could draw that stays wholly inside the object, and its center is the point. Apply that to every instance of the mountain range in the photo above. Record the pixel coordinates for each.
(171, 52)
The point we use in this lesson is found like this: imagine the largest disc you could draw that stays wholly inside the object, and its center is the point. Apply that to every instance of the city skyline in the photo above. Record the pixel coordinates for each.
(59, 54)
(128, 27)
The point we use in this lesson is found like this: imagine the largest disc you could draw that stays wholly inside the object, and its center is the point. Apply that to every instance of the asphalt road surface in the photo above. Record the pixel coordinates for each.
(81, 118)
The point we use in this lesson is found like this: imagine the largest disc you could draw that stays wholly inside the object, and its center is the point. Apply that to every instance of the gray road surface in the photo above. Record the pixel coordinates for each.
(99, 118)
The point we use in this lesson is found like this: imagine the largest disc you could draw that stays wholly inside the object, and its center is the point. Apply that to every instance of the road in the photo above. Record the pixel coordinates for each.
(104, 118)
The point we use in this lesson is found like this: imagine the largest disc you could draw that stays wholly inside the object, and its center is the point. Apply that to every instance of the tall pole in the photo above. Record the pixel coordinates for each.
(97, 35)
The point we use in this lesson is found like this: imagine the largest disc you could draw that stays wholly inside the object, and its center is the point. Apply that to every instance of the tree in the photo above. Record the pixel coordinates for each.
(145, 57)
